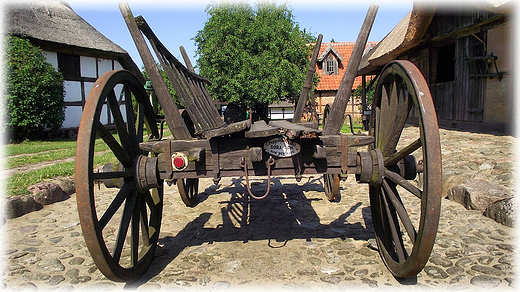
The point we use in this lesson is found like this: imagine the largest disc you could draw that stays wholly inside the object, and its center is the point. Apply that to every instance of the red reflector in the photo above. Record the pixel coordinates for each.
(178, 162)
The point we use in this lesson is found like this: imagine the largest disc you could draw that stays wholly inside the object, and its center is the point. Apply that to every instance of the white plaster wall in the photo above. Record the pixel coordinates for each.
(88, 87)
(117, 66)
(277, 114)
(88, 66)
(104, 115)
(104, 65)
(72, 91)
(51, 57)
(72, 117)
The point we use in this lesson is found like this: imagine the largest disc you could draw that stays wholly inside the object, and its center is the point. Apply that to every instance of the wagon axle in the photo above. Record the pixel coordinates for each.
(369, 168)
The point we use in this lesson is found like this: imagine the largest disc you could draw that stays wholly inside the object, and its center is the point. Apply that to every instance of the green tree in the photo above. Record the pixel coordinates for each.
(253, 56)
(369, 93)
(34, 92)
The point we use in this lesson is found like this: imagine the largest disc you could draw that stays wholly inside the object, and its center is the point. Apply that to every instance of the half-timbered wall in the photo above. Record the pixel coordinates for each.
(80, 73)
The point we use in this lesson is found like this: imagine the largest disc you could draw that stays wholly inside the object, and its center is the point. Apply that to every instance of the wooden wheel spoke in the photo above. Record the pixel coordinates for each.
(112, 175)
(378, 127)
(140, 123)
(130, 119)
(115, 204)
(134, 243)
(401, 154)
(396, 178)
(126, 140)
(125, 224)
(401, 211)
(394, 230)
(144, 225)
(382, 118)
(121, 154)
(399, 111)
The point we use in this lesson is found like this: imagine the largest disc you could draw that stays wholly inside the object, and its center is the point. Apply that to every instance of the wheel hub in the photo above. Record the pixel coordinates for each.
(371, 168)
(146, 173)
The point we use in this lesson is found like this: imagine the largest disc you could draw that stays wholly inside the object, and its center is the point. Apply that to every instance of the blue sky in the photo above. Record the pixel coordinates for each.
(177, 22)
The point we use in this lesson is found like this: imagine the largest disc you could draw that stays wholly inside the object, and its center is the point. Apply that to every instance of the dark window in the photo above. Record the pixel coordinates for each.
(446, 63)
(69, 66)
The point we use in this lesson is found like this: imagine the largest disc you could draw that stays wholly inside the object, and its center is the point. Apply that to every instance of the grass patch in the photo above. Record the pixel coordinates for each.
(40, 151)
(29, 147)
(39, 157)
(356, 127)
(346, 128)
(49, 155)
(17, 184)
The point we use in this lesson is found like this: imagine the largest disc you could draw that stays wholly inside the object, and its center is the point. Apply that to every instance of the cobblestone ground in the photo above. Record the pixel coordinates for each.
(293, 240)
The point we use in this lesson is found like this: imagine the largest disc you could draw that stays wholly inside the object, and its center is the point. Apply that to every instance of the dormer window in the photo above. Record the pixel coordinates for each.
(330, 59)
(331, 65)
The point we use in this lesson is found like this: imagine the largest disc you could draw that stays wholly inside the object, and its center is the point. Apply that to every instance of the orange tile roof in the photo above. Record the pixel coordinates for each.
(332, 82)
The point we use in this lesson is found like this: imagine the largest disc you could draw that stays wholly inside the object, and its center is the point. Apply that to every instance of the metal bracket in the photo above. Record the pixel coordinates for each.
(243, 163)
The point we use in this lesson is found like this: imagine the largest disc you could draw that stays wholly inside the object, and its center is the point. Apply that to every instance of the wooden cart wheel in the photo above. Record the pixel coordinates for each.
(405, 215)
(188, 189)
(120, 224)
(330, 181)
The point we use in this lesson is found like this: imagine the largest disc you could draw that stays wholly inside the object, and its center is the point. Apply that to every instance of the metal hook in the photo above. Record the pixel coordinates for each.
(270, 162)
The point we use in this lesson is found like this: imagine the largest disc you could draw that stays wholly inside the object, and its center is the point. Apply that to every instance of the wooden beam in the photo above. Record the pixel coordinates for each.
(307, 85)
(335, 118)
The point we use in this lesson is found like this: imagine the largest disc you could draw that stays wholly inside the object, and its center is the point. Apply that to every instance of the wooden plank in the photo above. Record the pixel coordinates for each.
(293, 131)
(226, 130)
(223, 158)
(186, 83)
(186, 59)
(260, 129)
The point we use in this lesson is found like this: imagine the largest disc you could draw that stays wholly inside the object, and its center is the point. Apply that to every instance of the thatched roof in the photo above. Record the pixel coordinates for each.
(405, 35)
(410, 31)
(55, 22)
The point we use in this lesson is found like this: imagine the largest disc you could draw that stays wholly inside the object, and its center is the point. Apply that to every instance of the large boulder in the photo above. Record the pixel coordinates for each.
(19, 205)
(478, 194)
(66, 184)
(46, 193)
(494, 200)
(502, 211)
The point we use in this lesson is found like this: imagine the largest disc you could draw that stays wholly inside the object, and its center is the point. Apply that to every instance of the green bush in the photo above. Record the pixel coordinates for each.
(34, 94)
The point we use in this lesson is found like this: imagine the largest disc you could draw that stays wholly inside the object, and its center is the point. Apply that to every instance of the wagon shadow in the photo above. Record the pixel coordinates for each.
(285, 214)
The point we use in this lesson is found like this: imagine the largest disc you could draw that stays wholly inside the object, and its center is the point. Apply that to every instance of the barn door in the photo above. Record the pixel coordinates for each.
(473, 77)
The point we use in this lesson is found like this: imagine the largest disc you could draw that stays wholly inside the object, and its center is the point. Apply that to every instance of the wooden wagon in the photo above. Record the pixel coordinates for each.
(123, 236)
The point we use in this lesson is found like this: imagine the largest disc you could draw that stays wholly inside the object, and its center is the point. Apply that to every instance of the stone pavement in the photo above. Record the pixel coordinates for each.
(293, 240)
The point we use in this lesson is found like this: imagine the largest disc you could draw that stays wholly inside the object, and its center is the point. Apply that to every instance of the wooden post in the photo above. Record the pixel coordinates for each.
(186, 59)
(307, 85)
(335, 119)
